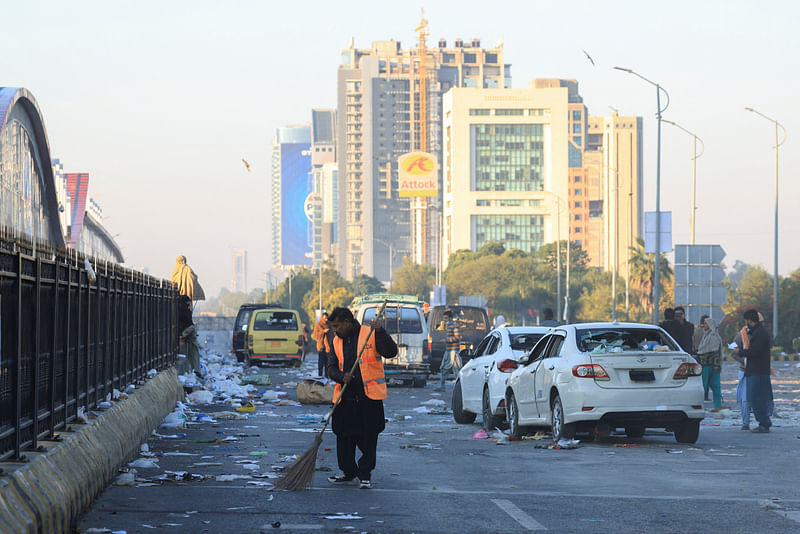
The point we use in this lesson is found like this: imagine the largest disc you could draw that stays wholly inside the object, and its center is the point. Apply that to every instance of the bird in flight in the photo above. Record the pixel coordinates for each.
(246, 164)
(589, 57)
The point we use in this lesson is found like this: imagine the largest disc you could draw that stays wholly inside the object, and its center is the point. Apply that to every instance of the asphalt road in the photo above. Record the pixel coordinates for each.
(433, 477)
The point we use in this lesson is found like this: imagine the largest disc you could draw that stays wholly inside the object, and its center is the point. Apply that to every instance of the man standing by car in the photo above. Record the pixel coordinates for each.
(547, 315)
(358, 418)
(686, 330)
(452, 343)
(757, 370)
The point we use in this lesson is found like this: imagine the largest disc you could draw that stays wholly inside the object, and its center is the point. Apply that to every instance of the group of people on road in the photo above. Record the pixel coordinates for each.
(751, 348)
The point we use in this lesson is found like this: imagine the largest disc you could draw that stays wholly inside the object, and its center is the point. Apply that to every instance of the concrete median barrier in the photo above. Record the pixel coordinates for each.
(47, 493)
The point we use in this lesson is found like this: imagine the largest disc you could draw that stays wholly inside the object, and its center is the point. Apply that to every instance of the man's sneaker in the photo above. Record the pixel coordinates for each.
(342, 480)
(745, 427)
(760, 430)
(365, 484)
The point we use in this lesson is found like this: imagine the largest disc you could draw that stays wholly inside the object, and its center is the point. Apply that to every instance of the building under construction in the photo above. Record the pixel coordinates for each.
(390, 103)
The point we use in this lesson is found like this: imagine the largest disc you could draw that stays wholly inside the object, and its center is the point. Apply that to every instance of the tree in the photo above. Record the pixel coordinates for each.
(413, 279)
(642, 278)
(365, 285)
(331, 298)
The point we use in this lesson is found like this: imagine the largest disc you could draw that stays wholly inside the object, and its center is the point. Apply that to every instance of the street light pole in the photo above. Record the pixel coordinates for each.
(659, 111)
(694, 175)
(391, 258)
(775, 278)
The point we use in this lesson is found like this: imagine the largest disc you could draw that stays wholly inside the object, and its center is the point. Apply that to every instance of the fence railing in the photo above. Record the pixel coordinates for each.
(67, 342)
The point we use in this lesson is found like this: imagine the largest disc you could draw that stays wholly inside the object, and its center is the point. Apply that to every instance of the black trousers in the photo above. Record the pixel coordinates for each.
(322, 363)
(346, 454)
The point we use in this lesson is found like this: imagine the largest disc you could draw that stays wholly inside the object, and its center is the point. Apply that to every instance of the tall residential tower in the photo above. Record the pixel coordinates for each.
(380, 98)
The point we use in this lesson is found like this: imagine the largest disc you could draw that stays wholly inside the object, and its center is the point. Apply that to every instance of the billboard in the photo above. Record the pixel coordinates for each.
(297, 232)
(418, 176)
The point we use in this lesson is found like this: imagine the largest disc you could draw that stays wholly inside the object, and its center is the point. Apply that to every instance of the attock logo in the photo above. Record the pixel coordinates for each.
(417, 164)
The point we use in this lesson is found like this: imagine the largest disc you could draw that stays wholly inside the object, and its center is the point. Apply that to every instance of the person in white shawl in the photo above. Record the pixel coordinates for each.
(709, 355)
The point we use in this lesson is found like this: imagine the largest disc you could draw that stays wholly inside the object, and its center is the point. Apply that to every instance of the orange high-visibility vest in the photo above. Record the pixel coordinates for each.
(745, 339)
(371, 366)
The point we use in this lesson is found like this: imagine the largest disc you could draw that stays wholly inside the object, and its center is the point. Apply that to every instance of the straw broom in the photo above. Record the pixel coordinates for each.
(298, 476)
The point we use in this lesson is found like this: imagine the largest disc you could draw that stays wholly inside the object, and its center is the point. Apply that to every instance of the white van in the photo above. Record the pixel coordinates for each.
(404, 320)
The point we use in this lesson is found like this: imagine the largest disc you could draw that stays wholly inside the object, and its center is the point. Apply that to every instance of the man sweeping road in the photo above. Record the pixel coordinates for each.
(359, 417)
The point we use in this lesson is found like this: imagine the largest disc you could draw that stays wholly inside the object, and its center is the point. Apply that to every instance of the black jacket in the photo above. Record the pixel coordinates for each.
(356, 413)
(758, 356)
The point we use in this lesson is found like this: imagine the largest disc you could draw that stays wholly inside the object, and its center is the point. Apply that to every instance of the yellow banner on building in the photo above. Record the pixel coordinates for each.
(418, 176)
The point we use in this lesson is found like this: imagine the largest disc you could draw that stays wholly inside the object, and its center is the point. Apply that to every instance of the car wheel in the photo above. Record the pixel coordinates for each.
(688, 431)
(512, 415)
(561, 430)
(461, 416)
(490, 421)
(634, 431)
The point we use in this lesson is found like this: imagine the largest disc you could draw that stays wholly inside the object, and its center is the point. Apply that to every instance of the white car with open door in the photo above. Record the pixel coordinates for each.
(481, 384)
(606, 375)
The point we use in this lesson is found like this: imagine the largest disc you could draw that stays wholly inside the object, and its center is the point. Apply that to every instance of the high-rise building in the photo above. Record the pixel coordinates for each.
(505, 167)
(77, 188)
(614, 160)
(292, 197)
(384, 111)
(324, 172)
(239, 280)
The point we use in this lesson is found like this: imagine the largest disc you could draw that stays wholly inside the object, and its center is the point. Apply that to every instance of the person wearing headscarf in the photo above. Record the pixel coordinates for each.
(709, 355)
(500, 321)
(186, 279)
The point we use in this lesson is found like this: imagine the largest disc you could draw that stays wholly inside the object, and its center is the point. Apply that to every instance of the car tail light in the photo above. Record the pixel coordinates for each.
(688, 369)
(250, 340)
(430, 343)
(590, 370)
(506, 366)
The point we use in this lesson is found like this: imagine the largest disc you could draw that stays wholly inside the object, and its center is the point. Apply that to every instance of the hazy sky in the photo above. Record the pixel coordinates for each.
(160, 100)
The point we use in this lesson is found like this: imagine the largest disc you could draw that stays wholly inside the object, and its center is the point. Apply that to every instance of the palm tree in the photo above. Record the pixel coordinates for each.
(642, 266)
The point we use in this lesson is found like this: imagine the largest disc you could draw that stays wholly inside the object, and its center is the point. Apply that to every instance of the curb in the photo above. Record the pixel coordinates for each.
(48, 493)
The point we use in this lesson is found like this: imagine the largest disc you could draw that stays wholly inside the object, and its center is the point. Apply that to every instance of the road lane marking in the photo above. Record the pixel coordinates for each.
(518, 515)
(794, 515)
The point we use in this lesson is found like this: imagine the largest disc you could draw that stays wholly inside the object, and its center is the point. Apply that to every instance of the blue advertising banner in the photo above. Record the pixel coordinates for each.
(296, 185)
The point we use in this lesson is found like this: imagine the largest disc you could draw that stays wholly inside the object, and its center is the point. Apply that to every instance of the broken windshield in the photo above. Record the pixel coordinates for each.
(612, 340)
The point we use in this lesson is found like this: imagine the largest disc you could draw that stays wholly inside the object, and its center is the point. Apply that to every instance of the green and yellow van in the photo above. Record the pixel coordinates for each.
(275, 335)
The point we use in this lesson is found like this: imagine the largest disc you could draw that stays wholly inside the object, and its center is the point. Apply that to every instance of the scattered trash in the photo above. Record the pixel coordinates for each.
(771, 504)
(230, 478)
(480, 434)
(256, 380)
(247, 408)
(201, 396)
(127, 479)
(229, 415)
(144, 463)
(627, 445)
(343, 516)
(568, 443)
(673, 451)
(538, 436)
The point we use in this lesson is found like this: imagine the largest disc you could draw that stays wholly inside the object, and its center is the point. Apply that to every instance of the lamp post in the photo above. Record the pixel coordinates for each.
(558, 260)
(391, 257)
(694, 174)
(775, 278)
(659, 111)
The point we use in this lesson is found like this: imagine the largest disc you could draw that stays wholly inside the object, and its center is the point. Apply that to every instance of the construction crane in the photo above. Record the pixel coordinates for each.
(422, 56)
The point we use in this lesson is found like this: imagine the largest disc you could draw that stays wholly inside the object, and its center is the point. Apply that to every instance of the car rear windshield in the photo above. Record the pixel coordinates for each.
(524, 341)
(396, 319)
(275, 320)
(469, 320)
(242, 320)
(611, 340)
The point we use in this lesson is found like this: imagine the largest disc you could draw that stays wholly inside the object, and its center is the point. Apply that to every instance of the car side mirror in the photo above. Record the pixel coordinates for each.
(525, 359)
(465, 353)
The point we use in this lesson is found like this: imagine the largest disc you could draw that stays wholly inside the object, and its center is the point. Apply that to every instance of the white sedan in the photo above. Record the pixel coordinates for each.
(481, 383)
(605, 376)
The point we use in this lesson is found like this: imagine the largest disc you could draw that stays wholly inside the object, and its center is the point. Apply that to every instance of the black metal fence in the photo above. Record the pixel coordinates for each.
(67, 341)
